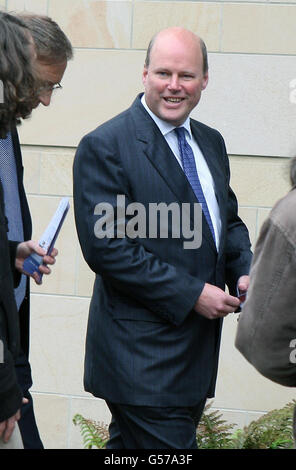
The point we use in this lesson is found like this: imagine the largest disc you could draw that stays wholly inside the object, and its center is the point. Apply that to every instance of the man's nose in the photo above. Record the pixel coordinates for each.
(45, 98)
(174, 83)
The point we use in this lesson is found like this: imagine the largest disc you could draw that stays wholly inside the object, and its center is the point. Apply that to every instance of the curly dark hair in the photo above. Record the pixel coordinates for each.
(17, 80)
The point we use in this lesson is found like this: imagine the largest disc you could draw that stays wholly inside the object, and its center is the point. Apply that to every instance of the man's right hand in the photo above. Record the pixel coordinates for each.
(214, 303)
(7, 427)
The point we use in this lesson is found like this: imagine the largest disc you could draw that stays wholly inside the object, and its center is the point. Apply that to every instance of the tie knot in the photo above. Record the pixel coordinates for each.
(180, 131)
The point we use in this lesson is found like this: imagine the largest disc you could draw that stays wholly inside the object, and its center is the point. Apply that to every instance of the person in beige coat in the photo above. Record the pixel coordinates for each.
(266, 334)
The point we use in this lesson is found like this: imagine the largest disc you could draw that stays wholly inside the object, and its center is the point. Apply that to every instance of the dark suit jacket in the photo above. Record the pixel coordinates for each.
(145, 345)
(10, 393)
(23, 368)
(14, 327)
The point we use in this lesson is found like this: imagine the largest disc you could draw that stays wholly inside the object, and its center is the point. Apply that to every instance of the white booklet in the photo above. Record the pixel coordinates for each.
(48, 239)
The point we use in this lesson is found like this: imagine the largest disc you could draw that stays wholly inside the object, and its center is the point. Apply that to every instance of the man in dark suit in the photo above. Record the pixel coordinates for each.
(53, 50)
(157, 306)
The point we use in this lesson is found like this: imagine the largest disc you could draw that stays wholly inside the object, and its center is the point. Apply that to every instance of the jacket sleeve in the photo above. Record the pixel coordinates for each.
(15, 273)
(238, 253)
(266, 334)
(10, 392)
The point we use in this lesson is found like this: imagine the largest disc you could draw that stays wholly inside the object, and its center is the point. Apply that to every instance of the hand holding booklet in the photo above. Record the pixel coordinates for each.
(48, 239)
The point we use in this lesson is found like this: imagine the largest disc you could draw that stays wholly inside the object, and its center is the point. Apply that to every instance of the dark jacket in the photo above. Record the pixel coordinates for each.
(266, 334)
(145, 345)
(10, 392)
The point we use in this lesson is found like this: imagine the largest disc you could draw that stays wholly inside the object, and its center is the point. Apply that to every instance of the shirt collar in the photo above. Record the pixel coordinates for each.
(165, 127)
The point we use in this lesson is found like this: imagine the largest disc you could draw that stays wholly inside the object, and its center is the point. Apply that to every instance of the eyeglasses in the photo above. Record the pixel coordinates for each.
(47, 89)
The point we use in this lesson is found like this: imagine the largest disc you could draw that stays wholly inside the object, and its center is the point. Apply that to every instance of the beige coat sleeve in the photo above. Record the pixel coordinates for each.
(266, 334)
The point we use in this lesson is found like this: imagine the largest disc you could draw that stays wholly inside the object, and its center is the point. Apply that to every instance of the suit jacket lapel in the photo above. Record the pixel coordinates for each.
(211, 158)
(159, 153)
(162, 158)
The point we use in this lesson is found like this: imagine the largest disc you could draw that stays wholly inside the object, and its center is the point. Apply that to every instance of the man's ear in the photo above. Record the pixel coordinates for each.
(205, 81)
(144, 74)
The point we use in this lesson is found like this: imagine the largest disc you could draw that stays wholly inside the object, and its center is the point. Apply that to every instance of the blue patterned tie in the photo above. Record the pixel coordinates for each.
(8, 176)
(189, 167)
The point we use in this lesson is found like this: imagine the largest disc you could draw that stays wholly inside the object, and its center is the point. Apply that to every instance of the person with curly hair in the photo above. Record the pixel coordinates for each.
(53, 50)
(17, 57)
(17, 78)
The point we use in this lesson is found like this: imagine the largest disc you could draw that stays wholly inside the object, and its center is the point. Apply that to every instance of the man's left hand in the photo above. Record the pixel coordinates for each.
(243, 283)
(25, 249)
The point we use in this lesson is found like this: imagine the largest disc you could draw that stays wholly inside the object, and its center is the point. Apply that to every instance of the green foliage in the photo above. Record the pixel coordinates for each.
(273, 430)
(94, 434)
(213, 432)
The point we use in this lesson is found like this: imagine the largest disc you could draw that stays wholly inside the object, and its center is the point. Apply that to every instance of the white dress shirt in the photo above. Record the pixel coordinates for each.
(204, 174)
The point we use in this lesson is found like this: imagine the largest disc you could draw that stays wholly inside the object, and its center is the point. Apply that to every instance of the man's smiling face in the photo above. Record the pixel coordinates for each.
(174, 78)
